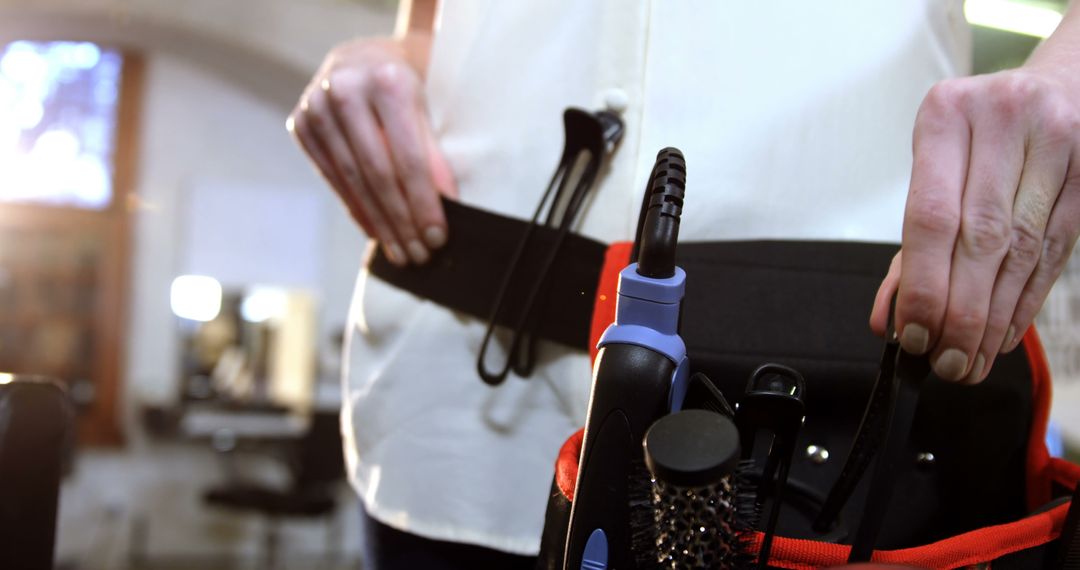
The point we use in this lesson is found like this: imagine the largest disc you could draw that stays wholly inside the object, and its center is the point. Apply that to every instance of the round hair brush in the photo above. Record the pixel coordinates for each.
(702, 511)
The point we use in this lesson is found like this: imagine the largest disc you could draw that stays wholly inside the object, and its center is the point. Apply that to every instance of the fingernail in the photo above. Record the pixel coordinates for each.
(1018, 339)
(1009, 336)
(435, 237)
(975, 375)
(417, 252)
(915, 339)
(951, 365)
(395, 254)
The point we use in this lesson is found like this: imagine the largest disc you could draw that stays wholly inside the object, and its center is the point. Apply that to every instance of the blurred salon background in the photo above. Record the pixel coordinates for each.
(171, 260)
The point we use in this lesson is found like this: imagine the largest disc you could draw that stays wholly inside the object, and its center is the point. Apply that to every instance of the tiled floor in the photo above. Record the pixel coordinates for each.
(142, 508)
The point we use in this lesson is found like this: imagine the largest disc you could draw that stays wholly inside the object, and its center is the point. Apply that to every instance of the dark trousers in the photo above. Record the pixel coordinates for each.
(386, 548)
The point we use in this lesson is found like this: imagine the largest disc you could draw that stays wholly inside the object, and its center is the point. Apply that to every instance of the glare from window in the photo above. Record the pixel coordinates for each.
(196, 297)
(263, 303)
(57, 123)
(1012, 16)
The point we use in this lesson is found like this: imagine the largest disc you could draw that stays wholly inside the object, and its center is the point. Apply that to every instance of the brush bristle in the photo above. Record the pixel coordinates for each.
(748, 514)
(707, 527)
(642, 528)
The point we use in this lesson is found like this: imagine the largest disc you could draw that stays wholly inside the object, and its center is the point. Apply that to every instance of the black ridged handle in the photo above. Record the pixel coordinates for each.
(661, 209)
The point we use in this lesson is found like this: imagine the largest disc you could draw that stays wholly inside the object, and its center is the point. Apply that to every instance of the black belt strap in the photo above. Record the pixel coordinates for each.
(730, 285)
(466, 273)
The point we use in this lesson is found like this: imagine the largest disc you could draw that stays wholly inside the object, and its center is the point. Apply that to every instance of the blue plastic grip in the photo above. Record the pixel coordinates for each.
(596, 552)
(647, 313)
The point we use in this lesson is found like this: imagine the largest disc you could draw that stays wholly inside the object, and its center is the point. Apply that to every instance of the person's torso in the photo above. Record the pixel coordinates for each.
(795, 117)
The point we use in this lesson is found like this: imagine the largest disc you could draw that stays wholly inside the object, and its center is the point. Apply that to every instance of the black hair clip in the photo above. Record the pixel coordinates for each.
(590, 137)
(773, 402)
(884, 431)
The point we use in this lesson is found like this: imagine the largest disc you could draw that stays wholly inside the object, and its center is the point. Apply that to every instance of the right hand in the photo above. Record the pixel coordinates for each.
(362, 120)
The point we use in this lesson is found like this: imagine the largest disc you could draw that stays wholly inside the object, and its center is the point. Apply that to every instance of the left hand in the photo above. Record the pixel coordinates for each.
(993, 213)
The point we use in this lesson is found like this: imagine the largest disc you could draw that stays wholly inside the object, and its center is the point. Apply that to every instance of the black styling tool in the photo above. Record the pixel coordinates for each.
(884, 431)
(773, 403)
(641, 356)
(702, 514)
(702, 394)
(590, 137)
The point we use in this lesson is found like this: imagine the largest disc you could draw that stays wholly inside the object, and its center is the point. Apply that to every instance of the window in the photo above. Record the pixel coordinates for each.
(58, 115)
(68, 118)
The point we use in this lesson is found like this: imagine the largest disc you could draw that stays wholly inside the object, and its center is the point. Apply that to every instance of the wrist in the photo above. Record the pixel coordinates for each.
(1058, 57)
(412, 50)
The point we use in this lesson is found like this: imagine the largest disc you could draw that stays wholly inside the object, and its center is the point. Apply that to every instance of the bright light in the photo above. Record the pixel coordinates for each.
(23, 64)
(6, 378)
(20, 177)
(8, 93)
(9, 138)
(82, 55)
(27, 112)
(263, 303)
(196, 297)
(1012, 17)
(88, 178)
(56, 148)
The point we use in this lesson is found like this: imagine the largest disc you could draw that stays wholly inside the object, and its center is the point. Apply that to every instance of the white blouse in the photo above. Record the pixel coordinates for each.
(795, 119)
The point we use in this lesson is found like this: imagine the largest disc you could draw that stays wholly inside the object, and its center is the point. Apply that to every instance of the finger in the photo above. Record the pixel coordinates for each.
(364, 142)
(932, 217)
(1045, 166)
(440, 168)
(879, 317)
(399, 105)
(297, 127)
(995, 166)
(336, 147)
(1061, 234)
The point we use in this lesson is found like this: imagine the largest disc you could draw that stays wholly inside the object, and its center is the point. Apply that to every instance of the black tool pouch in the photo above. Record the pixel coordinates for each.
(976, 473)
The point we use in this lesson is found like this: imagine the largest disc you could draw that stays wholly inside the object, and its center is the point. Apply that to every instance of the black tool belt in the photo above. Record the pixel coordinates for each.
(801, 304)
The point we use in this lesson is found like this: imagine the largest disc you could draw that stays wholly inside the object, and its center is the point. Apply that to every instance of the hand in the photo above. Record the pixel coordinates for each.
(992, 215)
(362, 120)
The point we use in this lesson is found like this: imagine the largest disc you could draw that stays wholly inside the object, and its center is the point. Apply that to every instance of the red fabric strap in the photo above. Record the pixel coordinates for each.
(1039, 473)
(566, 465)
(617, 257)
(985, 544)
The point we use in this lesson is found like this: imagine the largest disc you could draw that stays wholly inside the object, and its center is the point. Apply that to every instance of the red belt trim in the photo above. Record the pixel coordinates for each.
(616, 258)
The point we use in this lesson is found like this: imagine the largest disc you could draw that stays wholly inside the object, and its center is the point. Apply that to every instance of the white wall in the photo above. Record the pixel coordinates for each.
(199, 136)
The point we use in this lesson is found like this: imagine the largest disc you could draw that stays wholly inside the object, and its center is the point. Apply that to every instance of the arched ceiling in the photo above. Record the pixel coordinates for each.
(268, 48)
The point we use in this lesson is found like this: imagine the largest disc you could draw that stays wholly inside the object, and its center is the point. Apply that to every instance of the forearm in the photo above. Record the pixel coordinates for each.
(1059, 55)
(414, 31)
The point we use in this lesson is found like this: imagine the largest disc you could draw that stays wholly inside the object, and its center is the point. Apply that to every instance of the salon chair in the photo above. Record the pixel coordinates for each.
(36, 437)
(316, 465)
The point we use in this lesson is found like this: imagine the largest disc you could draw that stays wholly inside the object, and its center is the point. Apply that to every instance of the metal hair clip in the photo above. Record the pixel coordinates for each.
(590, 137)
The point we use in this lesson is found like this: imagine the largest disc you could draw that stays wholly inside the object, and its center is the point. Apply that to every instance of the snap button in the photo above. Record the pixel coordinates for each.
(817, 455)
(925, 460)
(616, 100)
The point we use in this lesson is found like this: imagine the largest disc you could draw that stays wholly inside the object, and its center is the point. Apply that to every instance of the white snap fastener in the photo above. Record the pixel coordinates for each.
(616, 100)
